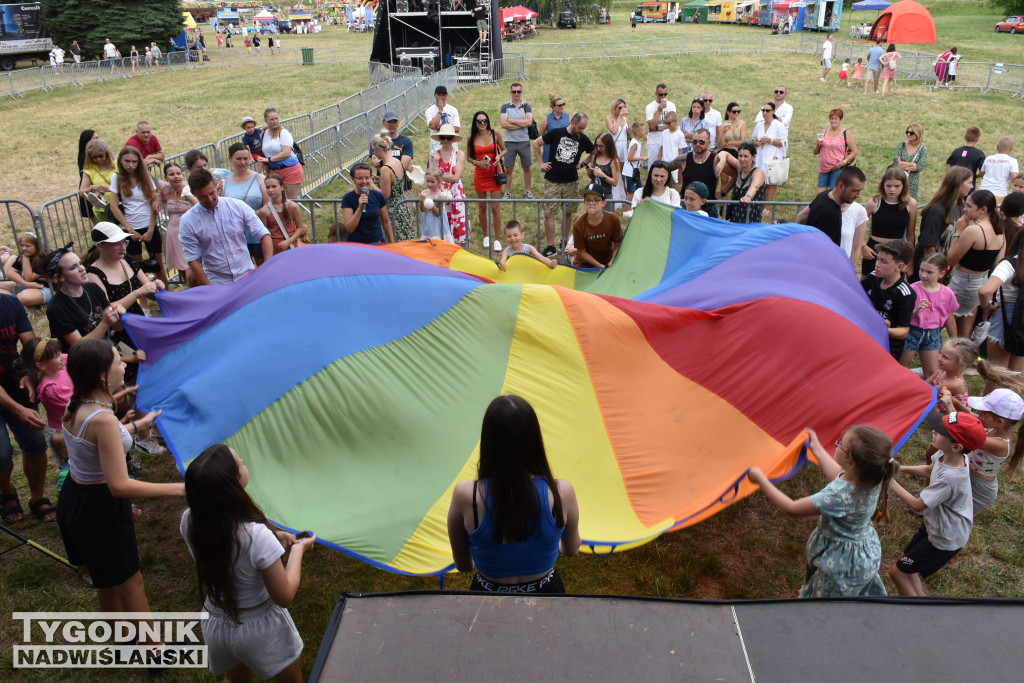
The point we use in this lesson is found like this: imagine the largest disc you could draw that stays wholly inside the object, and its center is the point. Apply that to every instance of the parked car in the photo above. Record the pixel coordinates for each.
(1011, 25)
(567, 20)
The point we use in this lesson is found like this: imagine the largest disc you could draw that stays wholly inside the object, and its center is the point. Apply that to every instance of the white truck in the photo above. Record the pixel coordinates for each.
(22, 34)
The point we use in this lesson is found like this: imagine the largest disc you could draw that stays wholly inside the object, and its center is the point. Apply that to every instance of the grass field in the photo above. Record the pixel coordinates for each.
(748, 551)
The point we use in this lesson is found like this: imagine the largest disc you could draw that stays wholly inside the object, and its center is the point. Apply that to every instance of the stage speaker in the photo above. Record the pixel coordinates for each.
(402, 5)
(405, 61)
(428, 66)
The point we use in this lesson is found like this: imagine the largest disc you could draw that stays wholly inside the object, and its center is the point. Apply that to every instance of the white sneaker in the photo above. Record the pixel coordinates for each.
(487, 242)
(529, 195)
(508, 195)
(150, 445)
(822, 79)
(496, 246)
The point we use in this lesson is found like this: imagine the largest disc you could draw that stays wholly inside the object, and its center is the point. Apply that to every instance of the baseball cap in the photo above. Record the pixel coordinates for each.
(963, 428)
(390, 115)
(105, 231)
(699, 188)
(594, 188)
(1001, 402)
(248, 119)
(440, 90)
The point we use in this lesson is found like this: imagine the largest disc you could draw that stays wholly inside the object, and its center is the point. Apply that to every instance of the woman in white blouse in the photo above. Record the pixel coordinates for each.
(771, 137)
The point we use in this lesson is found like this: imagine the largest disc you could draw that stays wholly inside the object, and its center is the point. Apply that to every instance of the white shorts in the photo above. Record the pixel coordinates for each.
(266, 641)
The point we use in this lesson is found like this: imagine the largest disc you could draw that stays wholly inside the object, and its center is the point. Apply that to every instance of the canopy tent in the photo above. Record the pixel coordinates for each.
(904, 22)
(187, 20)
(300, 15)
(264, 16)
(517, 13)
(871, 5)
(698, 8)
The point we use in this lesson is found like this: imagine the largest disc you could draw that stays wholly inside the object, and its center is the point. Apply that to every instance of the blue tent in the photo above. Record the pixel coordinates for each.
(871, 4)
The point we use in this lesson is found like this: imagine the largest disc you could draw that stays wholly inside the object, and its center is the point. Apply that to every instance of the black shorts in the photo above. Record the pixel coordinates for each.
(255, 250)
(153, 247)
(550, 584)
(921, 557)
(99, 532)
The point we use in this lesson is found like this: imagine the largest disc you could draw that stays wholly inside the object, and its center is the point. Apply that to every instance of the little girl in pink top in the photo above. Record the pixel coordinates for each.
(933, 311)
(48, 373)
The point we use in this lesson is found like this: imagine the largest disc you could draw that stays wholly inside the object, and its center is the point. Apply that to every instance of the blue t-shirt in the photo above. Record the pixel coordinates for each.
(369, 230)
(873, 55)
(254, 142)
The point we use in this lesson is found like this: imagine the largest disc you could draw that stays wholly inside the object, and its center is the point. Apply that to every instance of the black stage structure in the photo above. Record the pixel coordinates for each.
(434, 35)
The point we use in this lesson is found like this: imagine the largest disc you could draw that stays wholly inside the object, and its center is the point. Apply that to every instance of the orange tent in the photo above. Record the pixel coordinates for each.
(904, 22)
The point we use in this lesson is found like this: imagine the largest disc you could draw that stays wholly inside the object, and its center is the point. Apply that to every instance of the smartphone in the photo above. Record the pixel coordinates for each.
(125, 350)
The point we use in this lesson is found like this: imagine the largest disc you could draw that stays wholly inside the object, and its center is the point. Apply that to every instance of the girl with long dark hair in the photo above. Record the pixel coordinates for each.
(95, 510)
(247, 589)
(510, 523)
(980, 245)
(657, 186)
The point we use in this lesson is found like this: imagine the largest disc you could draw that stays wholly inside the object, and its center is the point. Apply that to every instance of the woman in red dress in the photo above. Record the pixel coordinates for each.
(486, 149)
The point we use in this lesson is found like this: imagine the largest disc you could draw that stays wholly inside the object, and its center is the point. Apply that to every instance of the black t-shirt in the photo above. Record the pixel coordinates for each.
(970, 158)
(566, 152)
(704, 173)
(13, 322)
(895, 304)
(67, 315)
(933, 223)
(480, 11)
(827, 216)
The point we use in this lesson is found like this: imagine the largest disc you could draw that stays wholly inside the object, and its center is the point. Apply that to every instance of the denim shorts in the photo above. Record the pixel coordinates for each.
(923, 340)
(32, 442)
(966, 285)
(996, 329)
(828, 179)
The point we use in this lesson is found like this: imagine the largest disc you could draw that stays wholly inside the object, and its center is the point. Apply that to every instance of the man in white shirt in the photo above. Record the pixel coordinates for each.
(783, 109)
(999, 170)
(655, 115)
(826, 56)
(439, 114)
(110, 54)
(713, 117)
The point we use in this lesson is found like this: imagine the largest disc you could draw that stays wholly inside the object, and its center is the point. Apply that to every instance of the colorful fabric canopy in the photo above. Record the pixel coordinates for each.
(353, 379)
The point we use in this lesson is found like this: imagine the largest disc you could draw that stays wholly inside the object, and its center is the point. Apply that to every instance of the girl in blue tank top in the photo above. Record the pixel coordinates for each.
(510, 523)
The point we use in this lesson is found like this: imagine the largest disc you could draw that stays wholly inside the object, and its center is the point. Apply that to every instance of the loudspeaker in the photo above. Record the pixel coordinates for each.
(402, 6)
(405, 61)
(428, 66)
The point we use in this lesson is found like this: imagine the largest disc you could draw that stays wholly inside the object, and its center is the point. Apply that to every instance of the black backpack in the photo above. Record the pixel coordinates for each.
(1013, 328)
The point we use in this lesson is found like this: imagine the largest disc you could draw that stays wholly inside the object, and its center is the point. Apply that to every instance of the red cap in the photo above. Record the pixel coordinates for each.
(962, 427)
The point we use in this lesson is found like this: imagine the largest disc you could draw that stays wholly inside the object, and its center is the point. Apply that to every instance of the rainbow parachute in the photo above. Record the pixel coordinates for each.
(353, 379)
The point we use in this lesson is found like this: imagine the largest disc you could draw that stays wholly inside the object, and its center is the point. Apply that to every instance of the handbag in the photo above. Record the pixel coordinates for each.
(500, 176)
(853, 161)
(777, 171)
(533, 131)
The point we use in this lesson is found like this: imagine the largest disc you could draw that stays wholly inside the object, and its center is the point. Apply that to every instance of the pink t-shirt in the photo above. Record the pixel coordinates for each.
(55, 394)
(943, 302)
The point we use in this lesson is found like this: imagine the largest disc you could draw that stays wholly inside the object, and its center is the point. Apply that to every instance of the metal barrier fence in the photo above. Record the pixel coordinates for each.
(917, 66)
(47, 77)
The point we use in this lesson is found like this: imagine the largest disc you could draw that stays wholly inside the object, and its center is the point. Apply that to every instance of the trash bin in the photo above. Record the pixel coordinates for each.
(307, 56)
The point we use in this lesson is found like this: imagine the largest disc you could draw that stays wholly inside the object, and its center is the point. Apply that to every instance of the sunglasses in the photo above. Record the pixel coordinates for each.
(663, 94)
(445, 137)
(701, 142)
(735, 111)
(780, 92)
(481, 120)
(910, 132)
(559, 104)
(516, 92)
(766, 110)
(709, 99)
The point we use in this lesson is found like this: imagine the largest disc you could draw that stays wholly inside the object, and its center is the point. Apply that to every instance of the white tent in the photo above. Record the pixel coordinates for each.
(264, 16)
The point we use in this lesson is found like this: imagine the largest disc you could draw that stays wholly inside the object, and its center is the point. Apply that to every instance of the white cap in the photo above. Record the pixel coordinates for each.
(1001, 402)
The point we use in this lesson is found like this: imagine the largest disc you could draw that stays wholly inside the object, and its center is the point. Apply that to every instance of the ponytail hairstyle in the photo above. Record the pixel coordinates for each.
(939, 260)
(774, 115)
(88, 363)
(1000, 376)
(37, 350)
(983, 199)
(1018, 449)
(218, 505)
(871, 451)
(552, 98)
(965, 350)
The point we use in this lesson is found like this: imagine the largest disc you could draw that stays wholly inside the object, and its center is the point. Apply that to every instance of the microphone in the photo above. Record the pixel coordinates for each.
(366, 191)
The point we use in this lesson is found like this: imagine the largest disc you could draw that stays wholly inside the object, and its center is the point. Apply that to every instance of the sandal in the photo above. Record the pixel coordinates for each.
(11, 511)
(43, 507)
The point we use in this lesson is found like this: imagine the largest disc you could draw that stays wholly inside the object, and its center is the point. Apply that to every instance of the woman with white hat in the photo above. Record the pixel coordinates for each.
(451, 162)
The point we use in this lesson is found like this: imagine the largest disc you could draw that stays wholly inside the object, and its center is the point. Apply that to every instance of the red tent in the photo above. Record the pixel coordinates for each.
(904, 22)
(517, 13)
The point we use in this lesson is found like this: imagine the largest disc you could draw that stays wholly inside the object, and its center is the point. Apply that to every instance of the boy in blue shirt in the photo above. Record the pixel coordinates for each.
(253, 139)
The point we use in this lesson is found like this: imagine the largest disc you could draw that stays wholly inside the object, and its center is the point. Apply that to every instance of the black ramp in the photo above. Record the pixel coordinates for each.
(907, 641)
(456, 636)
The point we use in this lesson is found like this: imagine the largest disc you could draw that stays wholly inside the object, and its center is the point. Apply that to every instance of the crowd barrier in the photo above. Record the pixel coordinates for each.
(47, 77)
(328, 151)
(915, 66)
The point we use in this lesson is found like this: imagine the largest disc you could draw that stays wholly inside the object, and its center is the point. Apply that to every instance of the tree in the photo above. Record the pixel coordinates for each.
(125, 22)
(1010, 6)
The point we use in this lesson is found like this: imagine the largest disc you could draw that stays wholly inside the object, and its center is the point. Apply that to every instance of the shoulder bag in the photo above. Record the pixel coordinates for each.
(500, 176)
(777, 171)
